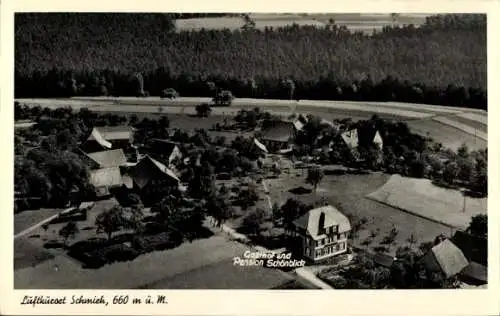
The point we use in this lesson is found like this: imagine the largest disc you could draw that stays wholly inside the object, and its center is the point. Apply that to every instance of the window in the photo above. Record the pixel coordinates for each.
(317, 253)
(342, 246)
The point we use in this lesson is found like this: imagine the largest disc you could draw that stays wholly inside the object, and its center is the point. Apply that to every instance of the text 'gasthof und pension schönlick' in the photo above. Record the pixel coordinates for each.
(268, 260)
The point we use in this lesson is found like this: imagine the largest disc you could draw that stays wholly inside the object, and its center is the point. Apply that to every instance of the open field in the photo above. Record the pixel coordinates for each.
(449, 136)
(347, 192)
(421, 197)
(353, 21)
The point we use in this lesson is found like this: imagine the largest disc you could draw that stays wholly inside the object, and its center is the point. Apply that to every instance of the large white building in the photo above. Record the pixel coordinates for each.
(321, 233)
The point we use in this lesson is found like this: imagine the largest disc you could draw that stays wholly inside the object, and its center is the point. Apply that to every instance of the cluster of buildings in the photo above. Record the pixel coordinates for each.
(279, 137)
(116, 164)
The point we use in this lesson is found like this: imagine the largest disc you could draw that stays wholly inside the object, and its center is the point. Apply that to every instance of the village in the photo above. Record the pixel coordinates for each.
(355, 200)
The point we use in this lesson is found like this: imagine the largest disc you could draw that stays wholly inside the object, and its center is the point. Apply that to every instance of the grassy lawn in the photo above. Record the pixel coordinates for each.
(28, 255)
(224, 275)
(347, 192)
(29, 218)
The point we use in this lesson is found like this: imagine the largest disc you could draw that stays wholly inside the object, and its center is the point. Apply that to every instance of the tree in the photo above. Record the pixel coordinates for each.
(169, 93)
(465, 169)
(293, 209)
(277, 213)
(218, 208)
(212, 87)
(203, 182)
(203, 110)
(394, 17)
(314, 176)
(450, 172)
(463, 151)
(290, 85)
(68, 231)
(248, 197)
(249, 22)
(134, 218)
(252, 223)
(223, 98)
(390, 237)
(479, 181)
(139, 84)
(479, 225)
(110, 221)
(405, 271)
(412, 240)
(165, 208)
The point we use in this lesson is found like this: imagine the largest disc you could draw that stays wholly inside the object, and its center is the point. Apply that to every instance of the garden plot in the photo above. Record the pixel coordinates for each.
(422, 198)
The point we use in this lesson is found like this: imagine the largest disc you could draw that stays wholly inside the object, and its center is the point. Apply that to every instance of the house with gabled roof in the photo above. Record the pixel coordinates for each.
(445, 258)
(108, 137)
(320, 233)
(150, 176)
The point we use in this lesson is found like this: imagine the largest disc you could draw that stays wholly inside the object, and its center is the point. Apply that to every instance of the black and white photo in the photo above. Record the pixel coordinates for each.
(329, 151)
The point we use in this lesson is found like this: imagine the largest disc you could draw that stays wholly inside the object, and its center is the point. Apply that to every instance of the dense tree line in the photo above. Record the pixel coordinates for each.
(443, 62)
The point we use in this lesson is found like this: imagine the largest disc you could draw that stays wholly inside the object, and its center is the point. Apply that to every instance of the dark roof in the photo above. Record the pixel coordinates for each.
(161, 146)
(383, 259)
(279, 131)
(475, 248)
(148, 169)
(476, 271)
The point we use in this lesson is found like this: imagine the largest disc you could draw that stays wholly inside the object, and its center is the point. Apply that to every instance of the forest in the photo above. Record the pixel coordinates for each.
(61, 55)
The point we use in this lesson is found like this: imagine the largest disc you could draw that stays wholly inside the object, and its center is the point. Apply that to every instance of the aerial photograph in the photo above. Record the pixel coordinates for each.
(250, 151)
